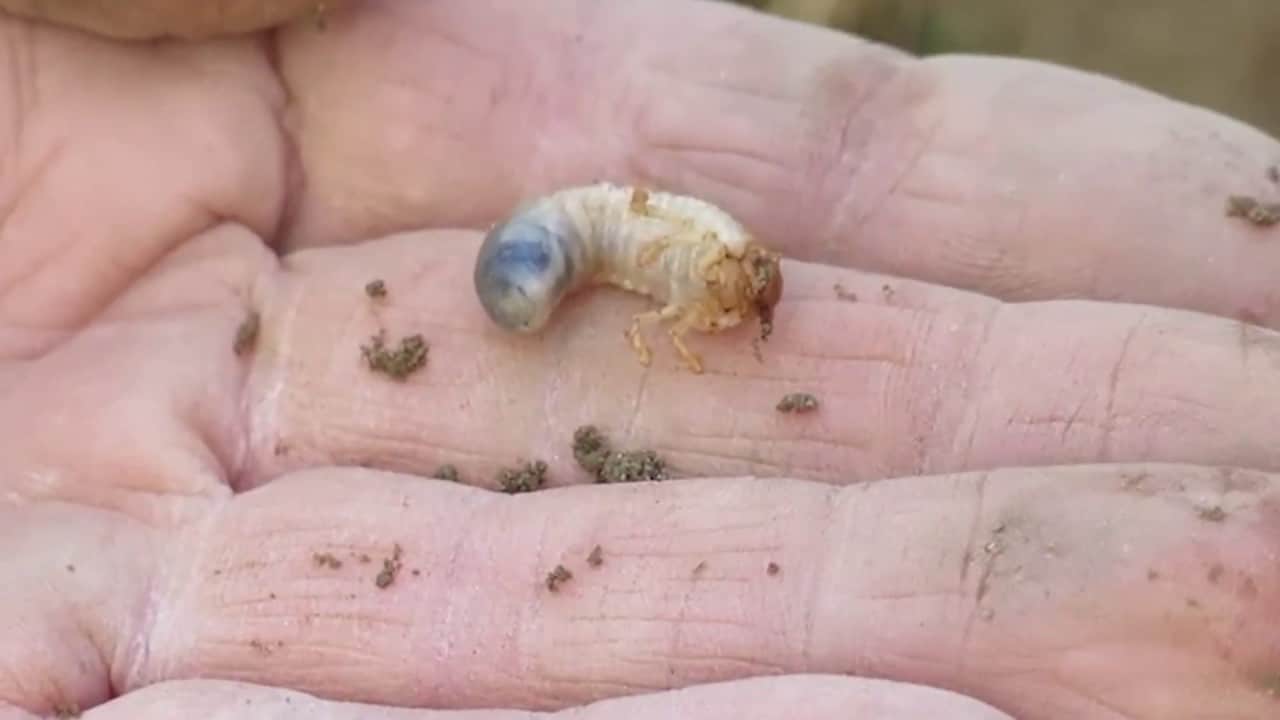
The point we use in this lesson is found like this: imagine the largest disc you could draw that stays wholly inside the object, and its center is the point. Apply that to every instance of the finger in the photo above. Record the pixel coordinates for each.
(909, 379)
(756, 699)
(1029, 590)
(142, 412)
(158, 19)
(116, 155)
(1019, 180)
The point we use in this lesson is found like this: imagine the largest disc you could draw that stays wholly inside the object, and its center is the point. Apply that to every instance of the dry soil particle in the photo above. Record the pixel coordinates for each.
(594, 454)
(390, 569)
(397, 363)
(1253, 210)
(590, 448)
(1212, 514)
(1271, 685)
(527, 478)
(843, 294)
(596, 558)
(376, 289)
(262, 647)
(328, 560)
(797, 403)
(247, 333)
(447, 472)
(558, 577)
(632, 466)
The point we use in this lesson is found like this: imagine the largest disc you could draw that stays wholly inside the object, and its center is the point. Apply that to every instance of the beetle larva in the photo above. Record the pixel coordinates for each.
(700, 264)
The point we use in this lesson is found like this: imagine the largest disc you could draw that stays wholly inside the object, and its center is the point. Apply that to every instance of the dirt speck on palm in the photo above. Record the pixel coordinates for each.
(447, 472)
(558, 577)
(376, 289)
(399, 362)
(797, 403)
(326, 560)
(594, 454)
(526, 478)
(1253, 210)
(1213, 514)
(390, 568)
(247, 333)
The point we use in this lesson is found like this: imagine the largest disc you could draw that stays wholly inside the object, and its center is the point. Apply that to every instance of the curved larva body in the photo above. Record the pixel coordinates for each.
(693, 258)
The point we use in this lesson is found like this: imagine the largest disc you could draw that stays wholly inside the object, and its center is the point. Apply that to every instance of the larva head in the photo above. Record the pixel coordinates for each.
(764, 284)
(522, 272)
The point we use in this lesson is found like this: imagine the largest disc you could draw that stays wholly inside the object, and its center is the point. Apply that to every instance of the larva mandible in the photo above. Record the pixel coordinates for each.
(703, 267)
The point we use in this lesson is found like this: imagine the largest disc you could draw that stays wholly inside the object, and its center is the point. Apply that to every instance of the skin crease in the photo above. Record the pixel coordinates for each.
(1060, 509)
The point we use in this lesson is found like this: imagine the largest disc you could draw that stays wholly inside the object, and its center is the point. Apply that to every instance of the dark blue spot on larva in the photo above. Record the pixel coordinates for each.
(521, 272)
(527, 252)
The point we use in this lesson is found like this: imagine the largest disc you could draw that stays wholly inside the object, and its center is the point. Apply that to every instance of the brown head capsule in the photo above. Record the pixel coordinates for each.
(764, 268)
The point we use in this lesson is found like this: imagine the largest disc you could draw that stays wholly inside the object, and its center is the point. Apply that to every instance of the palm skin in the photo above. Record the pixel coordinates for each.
(1041, 474)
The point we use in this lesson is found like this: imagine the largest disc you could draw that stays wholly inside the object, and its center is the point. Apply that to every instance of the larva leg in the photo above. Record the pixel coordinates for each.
(677, 332)
(636, 337)
(637, 340)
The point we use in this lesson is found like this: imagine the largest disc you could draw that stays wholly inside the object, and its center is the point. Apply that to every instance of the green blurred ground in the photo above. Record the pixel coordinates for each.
(1223, 54)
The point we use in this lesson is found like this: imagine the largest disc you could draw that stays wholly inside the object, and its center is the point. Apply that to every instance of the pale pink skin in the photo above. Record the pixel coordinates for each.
(1064, 509)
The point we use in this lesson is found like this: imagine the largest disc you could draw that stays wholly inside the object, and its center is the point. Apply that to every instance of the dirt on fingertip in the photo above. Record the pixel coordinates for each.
(448, 473)
(1271, 685)
(557, 577)
(1213, 514)
(390, 568)
(1253, 210)
(399, 362)
(594, 453)
(263, 647)
(326, 560)
(798, 402)
(628, 466)
(528, 477)
(590, 448)
(246, 337)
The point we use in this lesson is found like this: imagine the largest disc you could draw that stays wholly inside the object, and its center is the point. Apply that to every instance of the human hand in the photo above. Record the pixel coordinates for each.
(1061, 509)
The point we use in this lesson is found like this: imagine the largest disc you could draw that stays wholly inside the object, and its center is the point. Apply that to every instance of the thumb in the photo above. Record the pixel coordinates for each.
(150, 19)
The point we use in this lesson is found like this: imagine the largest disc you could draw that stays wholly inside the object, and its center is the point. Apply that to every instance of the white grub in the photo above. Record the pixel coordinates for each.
(701, 266)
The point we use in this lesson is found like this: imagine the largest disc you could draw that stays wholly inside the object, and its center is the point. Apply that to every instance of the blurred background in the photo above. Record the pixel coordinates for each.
(1224, 55)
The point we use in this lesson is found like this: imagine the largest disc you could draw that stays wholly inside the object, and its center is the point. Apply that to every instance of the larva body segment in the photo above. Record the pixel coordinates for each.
(702, 266)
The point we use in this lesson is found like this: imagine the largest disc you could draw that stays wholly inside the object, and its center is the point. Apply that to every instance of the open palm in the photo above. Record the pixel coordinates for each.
(1046, 362)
